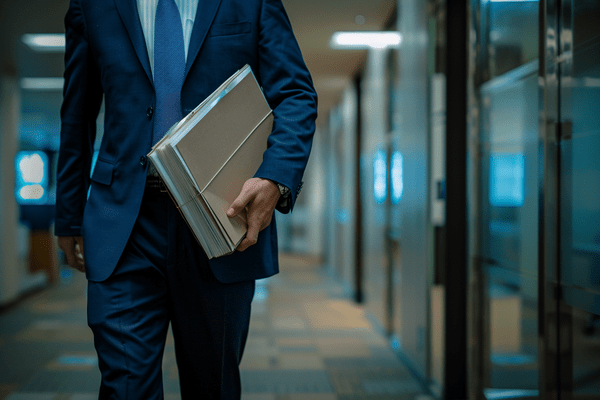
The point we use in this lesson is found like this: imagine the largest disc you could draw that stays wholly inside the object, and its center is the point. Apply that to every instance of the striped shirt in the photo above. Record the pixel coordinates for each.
(147, 14)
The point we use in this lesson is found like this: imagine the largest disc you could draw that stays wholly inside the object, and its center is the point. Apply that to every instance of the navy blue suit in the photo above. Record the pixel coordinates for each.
(106, 56)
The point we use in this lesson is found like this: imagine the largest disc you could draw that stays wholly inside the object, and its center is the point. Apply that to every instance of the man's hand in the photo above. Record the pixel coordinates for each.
(73, 248)
(259, 196)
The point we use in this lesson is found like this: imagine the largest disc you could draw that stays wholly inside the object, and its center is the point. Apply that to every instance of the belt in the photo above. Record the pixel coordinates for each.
(156, 182)
(152, 170)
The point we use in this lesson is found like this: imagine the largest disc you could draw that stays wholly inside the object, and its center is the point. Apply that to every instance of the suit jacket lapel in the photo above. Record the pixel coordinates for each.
(205, 15)
(131, 19)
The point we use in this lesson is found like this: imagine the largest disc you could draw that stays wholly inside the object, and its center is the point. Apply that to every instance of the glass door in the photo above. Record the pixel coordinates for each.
(537, 224)
(509, 234)
(507, 200)
(578, 233)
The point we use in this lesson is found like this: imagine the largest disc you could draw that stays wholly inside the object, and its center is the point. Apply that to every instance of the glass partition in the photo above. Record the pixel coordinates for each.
(512, 37)
(579, 177)
(509, 231)
(507, 164)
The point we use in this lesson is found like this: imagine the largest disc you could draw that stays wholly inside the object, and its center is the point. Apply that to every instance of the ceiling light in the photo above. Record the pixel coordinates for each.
(513, 1)
(45, 42)
(42, 83)
(365, 40)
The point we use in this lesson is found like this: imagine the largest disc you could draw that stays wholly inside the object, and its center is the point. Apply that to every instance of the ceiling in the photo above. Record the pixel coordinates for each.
(314, 21)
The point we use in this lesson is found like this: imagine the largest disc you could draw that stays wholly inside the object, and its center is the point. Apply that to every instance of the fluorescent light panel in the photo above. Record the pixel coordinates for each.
(513, 1)
(42, 83)
(45, 42)
(365, 40)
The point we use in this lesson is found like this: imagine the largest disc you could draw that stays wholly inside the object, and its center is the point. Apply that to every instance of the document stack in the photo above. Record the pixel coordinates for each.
(205, 159)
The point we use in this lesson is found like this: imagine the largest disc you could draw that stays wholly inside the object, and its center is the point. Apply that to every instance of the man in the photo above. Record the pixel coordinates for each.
(154, 61)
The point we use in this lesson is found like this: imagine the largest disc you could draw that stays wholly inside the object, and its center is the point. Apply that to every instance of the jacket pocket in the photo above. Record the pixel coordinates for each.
(103, 172)
(236, 28)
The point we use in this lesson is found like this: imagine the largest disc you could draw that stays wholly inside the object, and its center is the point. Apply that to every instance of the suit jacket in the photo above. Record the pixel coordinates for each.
(106, 55)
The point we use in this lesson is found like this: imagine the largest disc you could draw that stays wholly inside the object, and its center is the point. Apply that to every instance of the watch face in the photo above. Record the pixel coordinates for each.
(284, 190)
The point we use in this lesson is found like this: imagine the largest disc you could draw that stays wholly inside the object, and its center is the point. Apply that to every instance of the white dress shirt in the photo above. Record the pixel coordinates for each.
(147, 14)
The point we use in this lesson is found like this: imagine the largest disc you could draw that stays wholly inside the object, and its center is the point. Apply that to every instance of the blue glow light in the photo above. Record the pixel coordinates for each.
(90, 361)
(380, 177)
(31, 177)
(507, 180)
(513, 359)
(342, 216)
(94, 159)
(397, 177)
(497, 394)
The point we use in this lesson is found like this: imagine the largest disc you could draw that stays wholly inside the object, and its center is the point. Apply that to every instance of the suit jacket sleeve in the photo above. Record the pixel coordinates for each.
(81, 104)
(289, 90)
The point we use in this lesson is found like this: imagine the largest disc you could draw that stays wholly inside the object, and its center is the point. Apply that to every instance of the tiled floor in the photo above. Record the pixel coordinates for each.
(306, 342)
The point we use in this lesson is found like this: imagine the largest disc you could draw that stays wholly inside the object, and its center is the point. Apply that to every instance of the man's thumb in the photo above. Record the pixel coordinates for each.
(238, 205)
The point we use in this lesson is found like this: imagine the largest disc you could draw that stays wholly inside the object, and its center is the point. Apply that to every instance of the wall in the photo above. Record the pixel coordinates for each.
(412, 221)
(13, 239)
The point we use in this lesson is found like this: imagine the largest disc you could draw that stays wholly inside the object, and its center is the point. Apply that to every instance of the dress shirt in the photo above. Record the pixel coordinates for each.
(147, 14)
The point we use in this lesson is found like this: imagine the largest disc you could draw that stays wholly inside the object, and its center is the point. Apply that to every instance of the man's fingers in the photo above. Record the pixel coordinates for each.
(72, 246)
(244, 245)
(267, 221)
(260, 196)
(79, 247)
(79, 253)
(247, 242)
(71, 259)
(238, 204)
(251, 235)
(67, 245)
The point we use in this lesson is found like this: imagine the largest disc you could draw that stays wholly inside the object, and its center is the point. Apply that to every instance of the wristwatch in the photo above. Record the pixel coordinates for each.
(284, 190)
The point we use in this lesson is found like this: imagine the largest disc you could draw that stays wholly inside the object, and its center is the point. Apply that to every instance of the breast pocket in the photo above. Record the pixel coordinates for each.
(230, 29)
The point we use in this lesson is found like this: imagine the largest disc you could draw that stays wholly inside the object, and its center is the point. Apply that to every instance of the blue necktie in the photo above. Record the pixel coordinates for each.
(169, 67)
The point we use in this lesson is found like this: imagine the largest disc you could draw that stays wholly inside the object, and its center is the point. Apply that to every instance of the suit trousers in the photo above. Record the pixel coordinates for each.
(163, 277)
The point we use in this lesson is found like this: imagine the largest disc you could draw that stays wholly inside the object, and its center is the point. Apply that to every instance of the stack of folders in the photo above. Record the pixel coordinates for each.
(205, 159)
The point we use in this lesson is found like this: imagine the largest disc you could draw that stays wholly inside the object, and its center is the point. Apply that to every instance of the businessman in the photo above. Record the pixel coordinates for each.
(153, 61)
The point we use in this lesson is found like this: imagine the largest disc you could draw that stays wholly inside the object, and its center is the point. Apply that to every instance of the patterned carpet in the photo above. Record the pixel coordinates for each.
(307, 341)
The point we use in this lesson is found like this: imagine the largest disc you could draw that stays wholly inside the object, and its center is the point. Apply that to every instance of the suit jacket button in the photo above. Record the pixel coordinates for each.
(143, 161)
(149, 112)
(299, 188)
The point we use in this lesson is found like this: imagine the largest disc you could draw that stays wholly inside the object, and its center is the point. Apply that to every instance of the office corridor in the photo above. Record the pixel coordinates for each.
(307, 341)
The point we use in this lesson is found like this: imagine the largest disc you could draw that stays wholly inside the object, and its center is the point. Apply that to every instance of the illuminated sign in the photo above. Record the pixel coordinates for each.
(397, 177)
(380, 177)
(31, 177)
(507, 179)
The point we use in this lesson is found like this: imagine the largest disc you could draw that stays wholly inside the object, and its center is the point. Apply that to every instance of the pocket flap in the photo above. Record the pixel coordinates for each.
(103, 172)
(235, 28)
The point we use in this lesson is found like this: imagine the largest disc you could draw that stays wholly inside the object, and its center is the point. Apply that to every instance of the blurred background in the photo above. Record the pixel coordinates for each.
(447, 240)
